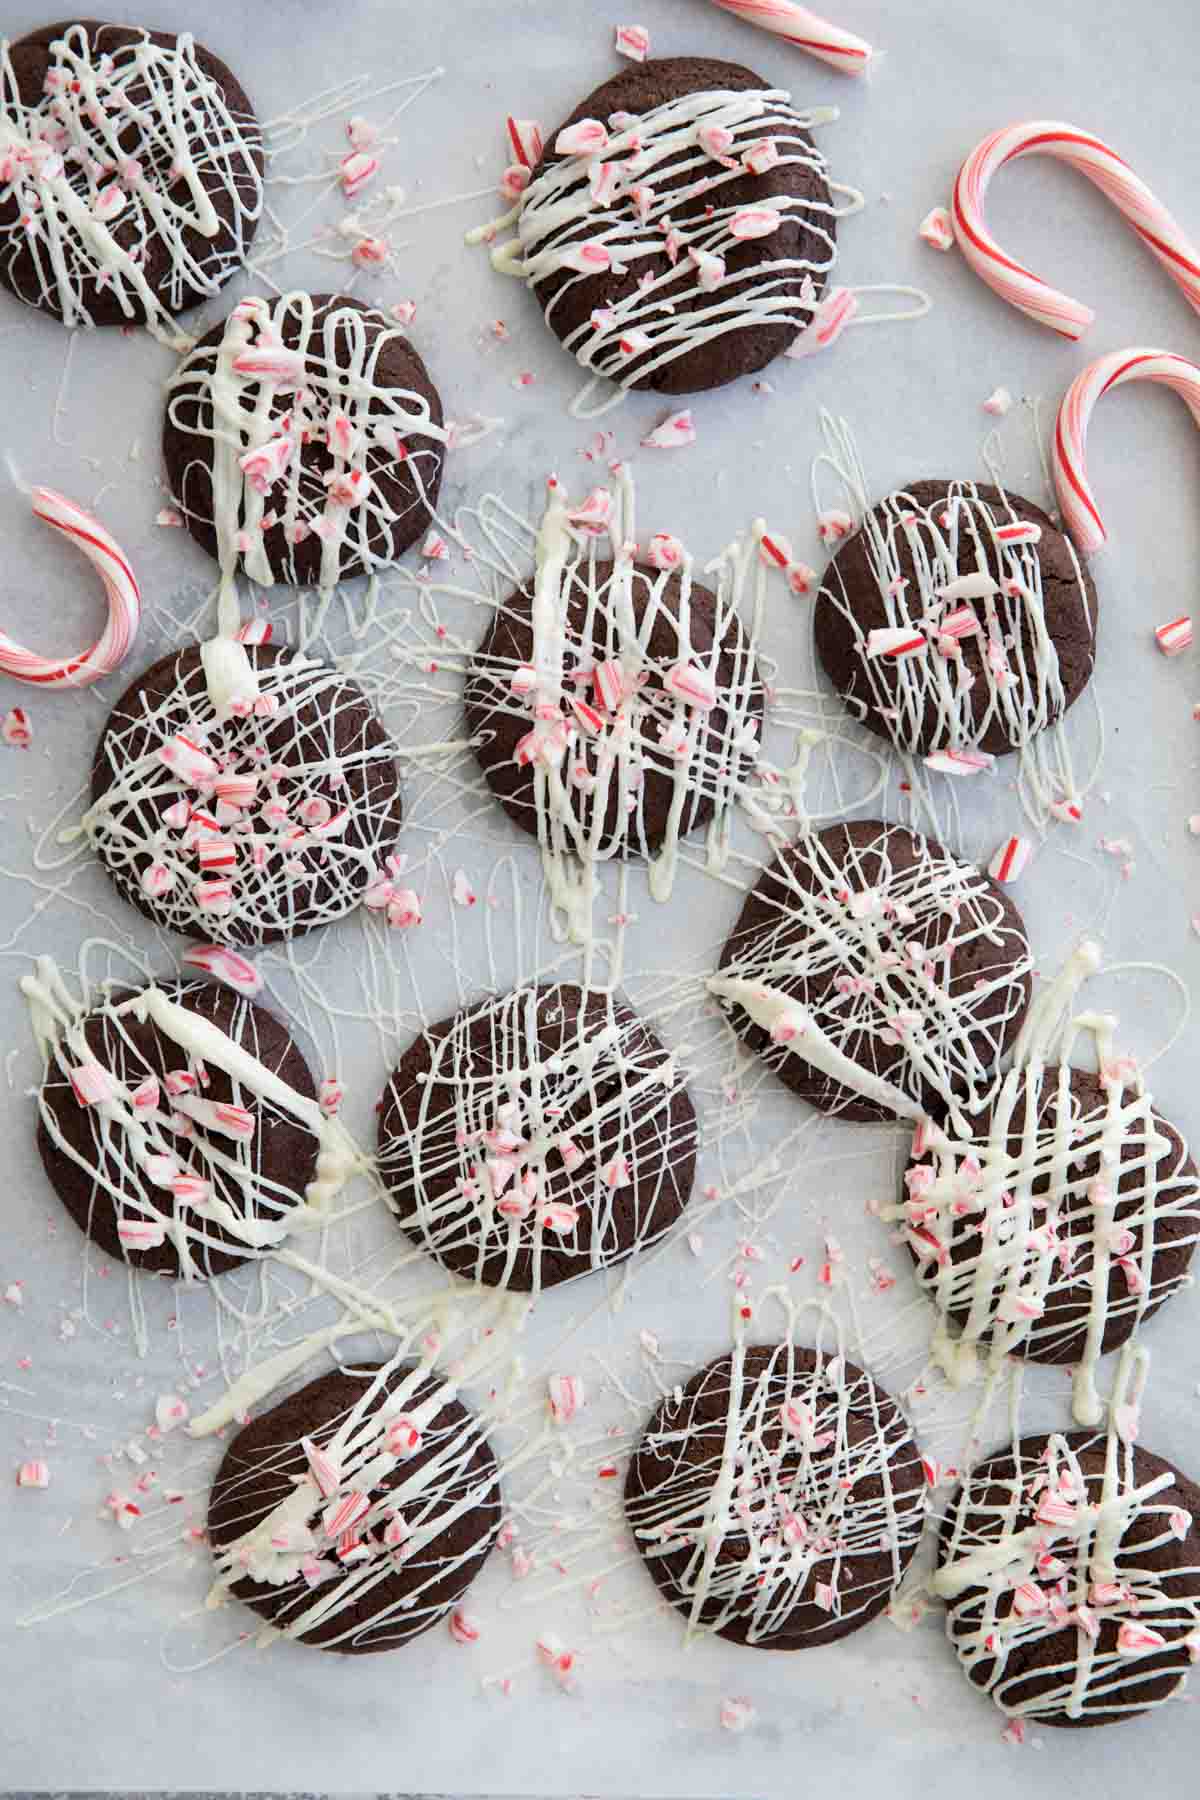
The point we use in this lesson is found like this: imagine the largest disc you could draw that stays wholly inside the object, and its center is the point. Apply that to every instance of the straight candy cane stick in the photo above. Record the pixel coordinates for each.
(1102, 166)
(1079, 509)
(840, 49)
(120, 587)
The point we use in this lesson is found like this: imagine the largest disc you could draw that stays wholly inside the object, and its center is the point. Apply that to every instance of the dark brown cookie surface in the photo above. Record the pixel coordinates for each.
(778, 1499)
(328, 456)
(1064, 1629)
(1062, 1220)
(876, 973)
(1000, 659)
(599, 775)
(707, 268)
(393, 1538)
(282, 824)
(156, 141)
(174, 1166)
(529, 1140)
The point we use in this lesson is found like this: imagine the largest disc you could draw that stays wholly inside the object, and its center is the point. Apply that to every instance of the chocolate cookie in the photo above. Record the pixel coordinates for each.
(165, 1158)
(355, 1513)
(1054, 1222)
(957, 617)
(303, 440)
(529, 1140)
(602, 739)
(777, 1498)
(254, 829)
(1071, 1596)
(679, 228)
(134, 183)
(875, 973)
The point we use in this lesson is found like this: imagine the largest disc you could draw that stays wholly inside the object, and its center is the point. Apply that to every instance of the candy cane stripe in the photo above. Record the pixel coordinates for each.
(1108, 172)
(1075, 497)
(121, 589)
(798, 26)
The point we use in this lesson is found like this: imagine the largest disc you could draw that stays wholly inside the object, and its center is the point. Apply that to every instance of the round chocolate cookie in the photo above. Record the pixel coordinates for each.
(254, 829)
(957, 617)
(679, 228)
(386, 1494)
(1071, 1596)
(163, 1158)
(303, 440)
(136, 179)
(529, 1140)
(1061, 1217)
(875, 973)
(604, 754)
(805, 1535)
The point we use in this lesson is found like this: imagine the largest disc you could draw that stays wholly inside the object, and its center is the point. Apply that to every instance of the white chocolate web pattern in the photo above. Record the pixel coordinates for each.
(203, 1176)
(890, 969)
(538, 1137)
(364, 1533)
(274, 820)
(1054, 1225)
(967, 656)
(633, 719)
(302, 432)
(779, 1498)
(1070, 1566)
(130, 158)
(622, 207)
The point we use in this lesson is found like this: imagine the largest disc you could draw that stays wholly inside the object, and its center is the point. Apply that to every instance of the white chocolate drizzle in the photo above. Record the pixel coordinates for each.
(580, 777)
(694, 301)
(817, 1514)
(1044, 1223)
(861, 953)
(1054, 1605)
(569, 1106)
(139, 1148)
(310, 831)
(123, 151)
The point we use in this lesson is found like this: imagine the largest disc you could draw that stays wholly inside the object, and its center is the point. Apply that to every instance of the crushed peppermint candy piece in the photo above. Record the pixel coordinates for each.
(959, 762)
(524, 140)
(462, 892)
(566, 1397)
(834, 525)
(1174, 636)
(170, 1411)
(588, 137)
(1011, 859)
(755, 222)
(355, 171)
(632, 41)
(228, 966)
(830, 318)
(675, 431)
(664, 551)
(737, 1714)
(999, 402)
(404, 311)
(937, 229)
(464, 1626)
(895, 642)
(14, 728)
(33, 1474)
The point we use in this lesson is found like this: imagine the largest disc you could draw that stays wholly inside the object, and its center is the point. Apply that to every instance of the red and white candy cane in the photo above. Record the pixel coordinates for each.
(120, 585)
(840, 49)
(1080, 512)
(1115, 179)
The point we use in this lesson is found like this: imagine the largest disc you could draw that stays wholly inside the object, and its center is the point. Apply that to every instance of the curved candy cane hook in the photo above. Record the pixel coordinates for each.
(1075, 496)
(1116, 180)
(120, 586)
